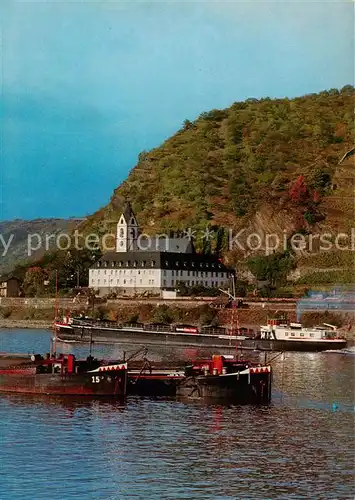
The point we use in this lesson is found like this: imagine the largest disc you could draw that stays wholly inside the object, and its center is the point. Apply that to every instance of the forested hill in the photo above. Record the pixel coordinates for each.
(222, 167)
(262, 165)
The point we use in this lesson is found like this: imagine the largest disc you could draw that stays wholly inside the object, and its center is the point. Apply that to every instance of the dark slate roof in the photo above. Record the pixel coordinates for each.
(161, 260)
(128, 212)
(177, 245)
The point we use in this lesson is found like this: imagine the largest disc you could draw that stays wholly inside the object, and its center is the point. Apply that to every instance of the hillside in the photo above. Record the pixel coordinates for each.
(237, 168)
(268, 166)
(15, 239)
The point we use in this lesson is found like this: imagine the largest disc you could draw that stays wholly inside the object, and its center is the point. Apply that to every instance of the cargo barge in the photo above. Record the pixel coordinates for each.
(63, 375)
(220, 378)
(277, 335)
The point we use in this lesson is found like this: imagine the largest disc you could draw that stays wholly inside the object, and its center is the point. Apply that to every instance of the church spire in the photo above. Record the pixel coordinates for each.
(127, 230)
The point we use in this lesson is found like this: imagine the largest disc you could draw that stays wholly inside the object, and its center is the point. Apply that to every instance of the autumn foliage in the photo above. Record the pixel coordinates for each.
(298, 191)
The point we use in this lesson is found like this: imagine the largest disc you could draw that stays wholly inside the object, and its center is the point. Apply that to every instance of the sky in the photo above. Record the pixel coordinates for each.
(87, 85)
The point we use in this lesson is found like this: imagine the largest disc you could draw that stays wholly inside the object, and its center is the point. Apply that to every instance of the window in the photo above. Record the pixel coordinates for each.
(286, 334)
(302, 334)
(193, 283)
(311, 334)
(292, 334)
(172, 273)
(164, 273)
(104, 282)
(105, 271)
(188, 283)
(121, 232)
(164, 282)
(124, 282)
(206, 283)
(188, 273)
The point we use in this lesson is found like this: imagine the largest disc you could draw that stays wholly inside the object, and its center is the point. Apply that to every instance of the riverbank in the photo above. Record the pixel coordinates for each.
(24, 324)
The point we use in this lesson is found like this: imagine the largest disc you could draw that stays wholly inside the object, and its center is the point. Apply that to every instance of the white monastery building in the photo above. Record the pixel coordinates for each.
(144, 264)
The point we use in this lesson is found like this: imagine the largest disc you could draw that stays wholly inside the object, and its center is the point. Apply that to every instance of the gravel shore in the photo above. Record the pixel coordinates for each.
(26, 323)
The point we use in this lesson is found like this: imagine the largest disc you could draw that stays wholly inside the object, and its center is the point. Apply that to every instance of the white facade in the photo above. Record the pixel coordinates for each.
(132, 270)
(130, 279)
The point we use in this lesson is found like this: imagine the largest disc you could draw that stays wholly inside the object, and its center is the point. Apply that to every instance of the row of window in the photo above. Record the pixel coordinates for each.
(197, 274)
(112, 282)
(193, 283)
(151, 282)
(151, 263)
(120, 271)
(301, 334)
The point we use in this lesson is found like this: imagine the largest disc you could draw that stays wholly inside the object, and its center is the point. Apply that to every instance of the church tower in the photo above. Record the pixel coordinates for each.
(127, 231)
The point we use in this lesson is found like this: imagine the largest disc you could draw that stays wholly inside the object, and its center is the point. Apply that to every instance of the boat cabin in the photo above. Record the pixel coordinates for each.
(277, 329)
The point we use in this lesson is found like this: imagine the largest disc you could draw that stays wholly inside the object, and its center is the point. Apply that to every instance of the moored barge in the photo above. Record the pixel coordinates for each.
(220, 378)
(64, 375)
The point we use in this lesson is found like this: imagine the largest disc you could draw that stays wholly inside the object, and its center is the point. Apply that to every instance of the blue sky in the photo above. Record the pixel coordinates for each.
(86, 86)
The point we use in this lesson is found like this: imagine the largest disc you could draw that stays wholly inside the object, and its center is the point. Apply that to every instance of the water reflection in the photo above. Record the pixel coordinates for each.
(297, 447)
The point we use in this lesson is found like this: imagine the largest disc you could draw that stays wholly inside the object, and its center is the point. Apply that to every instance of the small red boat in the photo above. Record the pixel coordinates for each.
(227, 378)
(64, 375)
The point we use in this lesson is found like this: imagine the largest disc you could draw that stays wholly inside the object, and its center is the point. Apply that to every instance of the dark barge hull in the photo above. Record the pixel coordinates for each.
(152, 385)
(113, 335)
(293, 345)
(88, 384)
(233, 388)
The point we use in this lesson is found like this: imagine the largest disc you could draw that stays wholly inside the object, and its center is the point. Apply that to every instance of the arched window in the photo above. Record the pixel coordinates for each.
(121, 232)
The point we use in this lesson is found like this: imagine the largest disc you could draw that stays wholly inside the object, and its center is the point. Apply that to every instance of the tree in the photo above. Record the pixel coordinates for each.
(298, 191)
(272, 268)
(34, 282)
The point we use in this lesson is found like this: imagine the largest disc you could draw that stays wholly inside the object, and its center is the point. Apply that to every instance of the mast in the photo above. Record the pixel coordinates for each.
(55, 312)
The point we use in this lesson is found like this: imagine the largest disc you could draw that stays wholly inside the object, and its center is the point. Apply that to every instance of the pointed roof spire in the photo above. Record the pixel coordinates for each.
(128, 212)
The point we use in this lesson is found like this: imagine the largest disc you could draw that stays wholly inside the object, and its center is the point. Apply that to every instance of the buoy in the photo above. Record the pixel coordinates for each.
(335, 406)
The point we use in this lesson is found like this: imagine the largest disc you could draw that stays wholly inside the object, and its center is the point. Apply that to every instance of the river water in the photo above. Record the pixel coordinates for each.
(301, 446)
